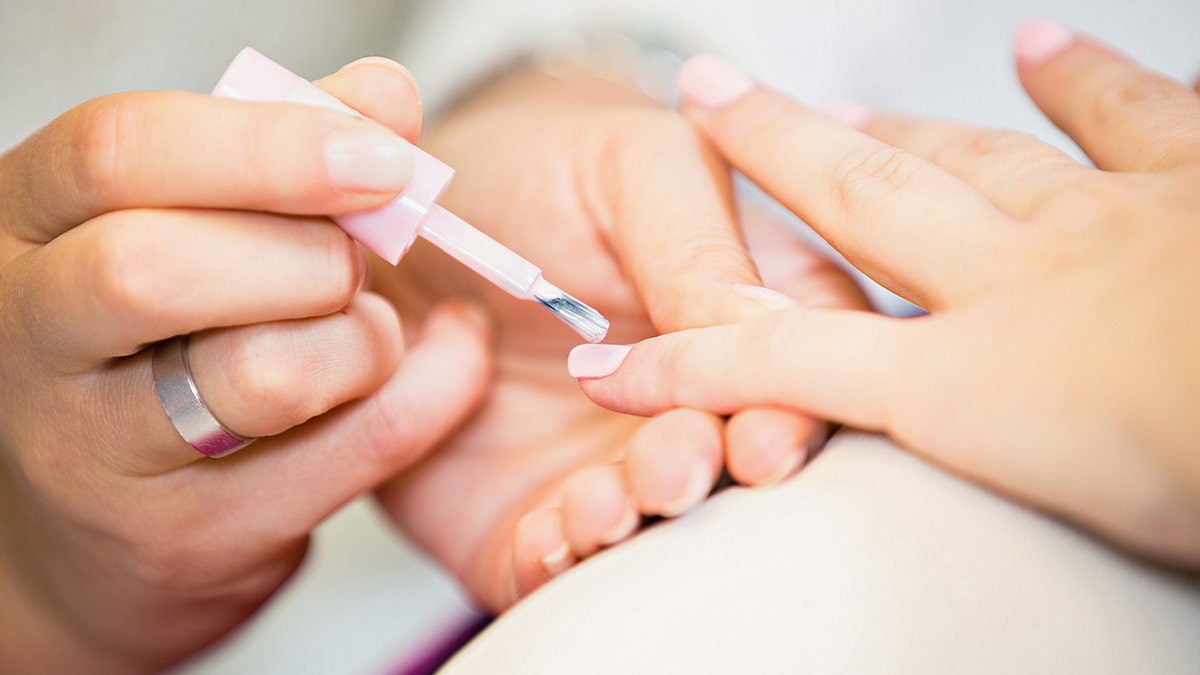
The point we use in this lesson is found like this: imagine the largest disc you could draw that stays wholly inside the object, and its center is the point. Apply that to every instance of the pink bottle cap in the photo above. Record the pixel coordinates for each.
(388, 231)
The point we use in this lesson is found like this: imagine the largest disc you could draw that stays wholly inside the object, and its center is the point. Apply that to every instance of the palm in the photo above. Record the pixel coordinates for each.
(550, 187)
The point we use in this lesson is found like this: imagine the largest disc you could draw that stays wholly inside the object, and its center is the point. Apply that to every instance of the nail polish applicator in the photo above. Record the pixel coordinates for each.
(389, 231)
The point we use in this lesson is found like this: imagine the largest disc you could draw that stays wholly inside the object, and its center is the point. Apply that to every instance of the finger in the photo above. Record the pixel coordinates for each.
(795, 268)
(673, 461)
(169, 149)
(1017, 172)
(293, 481)
(258, 381)
(381, 89)
(540, 550)
(597, 511)
(129, 278)
(673, 226)
(843, 366)
(764, 446)
(868, 199)
(1126, 118)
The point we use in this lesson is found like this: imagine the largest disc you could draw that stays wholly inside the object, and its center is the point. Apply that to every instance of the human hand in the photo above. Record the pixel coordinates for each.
(1058, 364)
(137, 217)
(625, 207)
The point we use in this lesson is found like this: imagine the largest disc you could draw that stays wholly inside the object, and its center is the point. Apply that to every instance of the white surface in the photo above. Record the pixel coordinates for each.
(869, 561)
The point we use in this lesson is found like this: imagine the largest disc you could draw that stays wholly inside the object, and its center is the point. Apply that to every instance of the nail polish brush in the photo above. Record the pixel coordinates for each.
(389, 231)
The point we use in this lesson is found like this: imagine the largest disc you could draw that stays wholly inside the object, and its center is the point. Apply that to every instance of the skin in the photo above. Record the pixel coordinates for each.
(625, 206)
(121, 548)
(1058, 362)
(116, 530)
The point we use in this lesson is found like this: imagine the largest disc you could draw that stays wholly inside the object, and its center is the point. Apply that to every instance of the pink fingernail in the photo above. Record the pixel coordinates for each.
(846, 113)
(591, 362)
(1037, 40)
(709, 81)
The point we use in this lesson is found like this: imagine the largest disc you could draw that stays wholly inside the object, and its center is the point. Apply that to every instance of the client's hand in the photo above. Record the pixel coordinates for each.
(137, 217)
(625, 206)
(1059, 363)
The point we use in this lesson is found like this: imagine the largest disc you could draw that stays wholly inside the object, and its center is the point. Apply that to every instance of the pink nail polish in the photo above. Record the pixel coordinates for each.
(592, 362)
(846, 113)
(1037, 40)
(709, 81)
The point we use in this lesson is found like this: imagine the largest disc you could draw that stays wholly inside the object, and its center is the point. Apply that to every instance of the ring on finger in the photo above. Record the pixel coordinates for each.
(186, 409)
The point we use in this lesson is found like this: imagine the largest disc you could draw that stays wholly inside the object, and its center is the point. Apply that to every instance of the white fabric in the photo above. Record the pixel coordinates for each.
(869, 561)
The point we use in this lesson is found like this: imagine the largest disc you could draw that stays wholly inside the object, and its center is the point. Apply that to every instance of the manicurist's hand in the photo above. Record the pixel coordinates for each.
(1059, 362)
(625, 206)
(138, 217)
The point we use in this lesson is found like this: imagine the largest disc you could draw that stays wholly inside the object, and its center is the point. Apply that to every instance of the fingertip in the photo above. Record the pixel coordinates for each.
(847, 113)
(382, 62)
(381, 89)
(710, 82)
(540, 549)
(1038, 40)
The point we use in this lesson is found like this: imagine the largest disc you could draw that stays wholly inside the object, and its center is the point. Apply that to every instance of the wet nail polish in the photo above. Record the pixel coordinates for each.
(709, 81)
(590, 362)
(1037, 40)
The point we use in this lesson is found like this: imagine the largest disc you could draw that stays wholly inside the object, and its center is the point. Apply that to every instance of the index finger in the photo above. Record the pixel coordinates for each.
(179, 149)
(907, 223)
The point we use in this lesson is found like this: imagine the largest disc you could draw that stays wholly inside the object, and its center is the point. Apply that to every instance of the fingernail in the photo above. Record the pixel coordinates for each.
(590, 362)
(709, 81)
(698, 486)
(368, 160)
(1037, 40)
(785, 469)
(556, 562)
(386, 63)
(766, 297)
(625, 527)
(846, 113)
(473, 314)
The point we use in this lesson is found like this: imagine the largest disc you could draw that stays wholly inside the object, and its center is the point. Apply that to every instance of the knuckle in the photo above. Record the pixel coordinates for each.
(1009, 145)
(124, 275)
(97, 147)
(1112, 104)
(340, 258)
(867, 174)
(263, 370)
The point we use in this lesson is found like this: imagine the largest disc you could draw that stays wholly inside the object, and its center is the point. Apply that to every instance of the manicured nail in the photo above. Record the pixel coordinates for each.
(709, 81)
(846, 113)
(368, 160)
(766, 297)
(386, 63)
(1037, 40)
(785, 469)
(698, 486)
(557, 561)
(591, 362)
(625, 527)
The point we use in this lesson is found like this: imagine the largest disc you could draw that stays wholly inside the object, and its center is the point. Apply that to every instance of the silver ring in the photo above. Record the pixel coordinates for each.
(180, 398)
